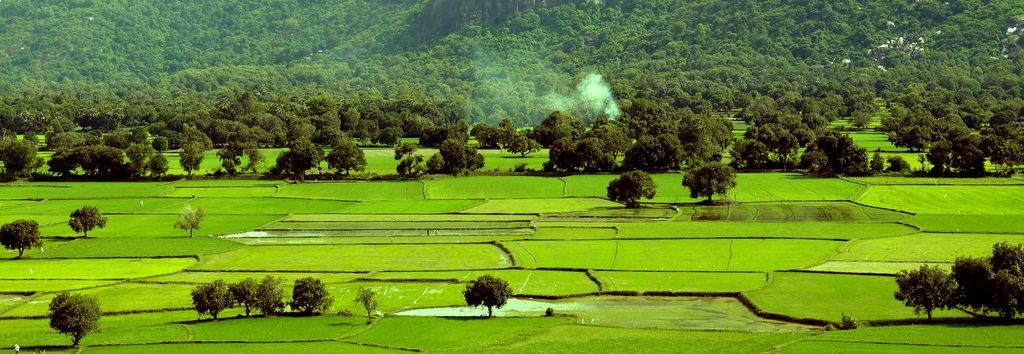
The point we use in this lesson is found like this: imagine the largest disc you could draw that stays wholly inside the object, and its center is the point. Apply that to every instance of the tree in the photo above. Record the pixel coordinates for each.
(840, 153)
(973, 278)
(301, 156)
(630, 187)
(74, 315)
(310, 296)
(212, 298)
(409, 163)
(897, 164)
(345, 155)
(18, 157)
(160, 144)
(488, 291)
(190, 219)
(926, 289)
(521, 144)
(191, 157)
(158, 165)
(457, 157)
(709, 179)
(245, 293)
(86, 219)
(270, 296)
(654, 154)
(367, 298)
(559, 125)
(20, 235)
(860, 119)
(749, 153)
(138, 156)
(877, 163)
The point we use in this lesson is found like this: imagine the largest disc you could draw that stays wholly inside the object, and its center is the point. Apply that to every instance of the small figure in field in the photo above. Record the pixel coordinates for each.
(17, 349)
(140, 204)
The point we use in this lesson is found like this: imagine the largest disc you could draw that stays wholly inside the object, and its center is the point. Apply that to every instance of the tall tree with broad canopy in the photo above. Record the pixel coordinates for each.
(488, 291)
(707, 180)
(20, 235)
(630, 187)
(244, 293)
(190, 219)
(74, 315)
(270, 296)
(926, 289)
(310, 296)
(346, 156)
(367, 298)
(211, 299)
(191, 157)
(86, 219)
(301, 156)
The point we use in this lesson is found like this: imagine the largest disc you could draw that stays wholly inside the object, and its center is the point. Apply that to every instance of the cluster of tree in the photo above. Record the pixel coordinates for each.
(988, 284)
(704, 181)
(454, 156)
(309, 296)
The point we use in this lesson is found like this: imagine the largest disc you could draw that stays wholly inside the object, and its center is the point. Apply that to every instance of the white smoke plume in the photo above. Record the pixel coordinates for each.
(593, 97)
(595, 93)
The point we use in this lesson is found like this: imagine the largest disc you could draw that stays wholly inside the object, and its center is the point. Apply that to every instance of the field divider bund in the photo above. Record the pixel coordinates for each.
(812, 339)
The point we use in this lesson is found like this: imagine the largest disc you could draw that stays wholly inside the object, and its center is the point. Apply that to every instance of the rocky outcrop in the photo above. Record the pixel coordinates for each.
(442, 17)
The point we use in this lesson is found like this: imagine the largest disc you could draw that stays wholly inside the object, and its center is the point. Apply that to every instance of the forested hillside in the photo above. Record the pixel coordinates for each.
(271, 72)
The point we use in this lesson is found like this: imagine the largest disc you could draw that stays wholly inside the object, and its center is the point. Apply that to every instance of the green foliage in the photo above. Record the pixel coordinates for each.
(630, 187)
(270, 296)
(310, 296)
(74, 315)
(346, 156)
(301, 156)
(245, 293)
(212, 298)
(925, 290)
(707, 180)
(20, 235)
(367, 298)
(86, 219)
(488, 291)
(191, 157)
(190, 219)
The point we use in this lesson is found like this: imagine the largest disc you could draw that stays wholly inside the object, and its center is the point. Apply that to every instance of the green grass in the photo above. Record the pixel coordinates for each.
(9, 286)
(239, 192)
(541, 206)
(763, 229)
(450, 334)
(934, 334)
(358, 258)
(494, 187)
(1009, 223)
(688, 255)
(91, 269)
(828, 296)
(681, 281)
(889, 268)
(81, 190)
(404, 218)
(362, 191)
(411, 207)
(817, 346)
(948, 199)
(574, 233)
(256, 206)
(163, 226)
(924, 247)
(299, 347)
(119, 298)
(398, 225)
(113, 205)
(880, 181)
(591, 339)
(278, 328)
(138, 247)
(527, 282)
(234, 277)
(794, 212)
(750, 187)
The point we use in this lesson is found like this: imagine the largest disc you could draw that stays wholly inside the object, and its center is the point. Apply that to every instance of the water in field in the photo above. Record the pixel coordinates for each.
(633, 312)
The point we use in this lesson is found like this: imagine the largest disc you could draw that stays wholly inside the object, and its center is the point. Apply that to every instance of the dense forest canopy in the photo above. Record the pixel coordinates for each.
(272, 71)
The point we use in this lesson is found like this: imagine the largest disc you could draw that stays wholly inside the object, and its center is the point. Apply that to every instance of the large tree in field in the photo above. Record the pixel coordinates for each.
(488, 291)
(301, 156)
(190, 219)
(926, 289)
(20, 235)
(212, 298)
(244, 293)
(630, 187)
(191, 157)
(367, 298)
(86, 219)
(346, 156)
(310, 296)
(270, 296)
(707, 180)
(74, 315)
(838, 153)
